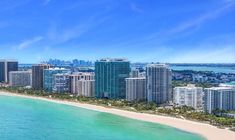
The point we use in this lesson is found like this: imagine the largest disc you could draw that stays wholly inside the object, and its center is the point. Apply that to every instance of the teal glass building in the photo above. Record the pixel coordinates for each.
(48, 77)
(110, 77)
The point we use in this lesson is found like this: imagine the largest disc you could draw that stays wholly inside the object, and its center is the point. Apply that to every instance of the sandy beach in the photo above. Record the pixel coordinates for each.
(207, 131)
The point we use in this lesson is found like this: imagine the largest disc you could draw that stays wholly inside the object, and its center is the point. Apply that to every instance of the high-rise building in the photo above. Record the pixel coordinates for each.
(5, 67)
(110, 77)
(86, 88)
(222, 98)
(20, 78)
(159, 83)
(136, 89)
(37, 76)
(48, 77)
(189, 96)
(61, 83)
(134, 73)
(82, 84)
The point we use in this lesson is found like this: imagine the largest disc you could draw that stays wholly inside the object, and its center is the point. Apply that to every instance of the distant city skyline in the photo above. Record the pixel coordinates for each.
(174, 31)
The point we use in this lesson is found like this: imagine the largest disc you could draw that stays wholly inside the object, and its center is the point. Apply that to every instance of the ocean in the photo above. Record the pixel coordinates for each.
(30, 119)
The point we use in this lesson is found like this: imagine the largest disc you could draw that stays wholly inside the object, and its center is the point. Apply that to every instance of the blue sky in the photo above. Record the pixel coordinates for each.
(196, 31)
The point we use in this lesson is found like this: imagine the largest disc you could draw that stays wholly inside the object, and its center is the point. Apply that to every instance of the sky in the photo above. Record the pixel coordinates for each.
(174, 31)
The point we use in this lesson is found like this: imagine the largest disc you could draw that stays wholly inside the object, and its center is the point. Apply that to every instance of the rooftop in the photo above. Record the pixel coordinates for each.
(135, 78)
(221, 88)
(113, 60)
(29, 71)
(8, 60)
(158, 65)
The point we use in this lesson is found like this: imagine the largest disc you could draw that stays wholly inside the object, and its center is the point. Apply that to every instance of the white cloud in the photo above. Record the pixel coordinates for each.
(196, 22)
(225, 54)
(27, 43)
(61, 35)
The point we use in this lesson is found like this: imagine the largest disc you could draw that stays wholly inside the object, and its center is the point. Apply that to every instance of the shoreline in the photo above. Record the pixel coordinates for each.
(207, 131)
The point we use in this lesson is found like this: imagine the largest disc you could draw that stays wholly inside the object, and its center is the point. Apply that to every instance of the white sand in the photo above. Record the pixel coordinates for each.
(207, 131)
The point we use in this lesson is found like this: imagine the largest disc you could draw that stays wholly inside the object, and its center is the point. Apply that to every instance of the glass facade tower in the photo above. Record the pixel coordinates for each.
(5, 67)
(110, 77)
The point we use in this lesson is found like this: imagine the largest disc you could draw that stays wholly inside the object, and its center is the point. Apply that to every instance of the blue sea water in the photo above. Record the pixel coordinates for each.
(29, 119)
(205, 68)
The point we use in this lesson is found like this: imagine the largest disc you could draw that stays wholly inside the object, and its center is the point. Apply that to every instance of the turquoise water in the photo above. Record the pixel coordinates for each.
(205, 68)
(28, 119)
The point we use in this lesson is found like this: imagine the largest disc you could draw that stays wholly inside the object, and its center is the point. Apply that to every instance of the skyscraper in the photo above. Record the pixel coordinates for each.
(222, 98)
(20, 78)
(110, 77)
(48, 77)
(189, 96)
(136, 89)
(37, 75)
(159, 83)
(5, 67)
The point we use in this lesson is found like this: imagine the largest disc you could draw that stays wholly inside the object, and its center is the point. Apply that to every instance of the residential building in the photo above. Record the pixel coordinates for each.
(222, 98)
(61, 83)
(159, 83)
(82, 84)
(110, 77)
(189, 96)
(20, 78)
(37, 76)
(136, 89)
(86, 88)
(5, 67)
(48, 77)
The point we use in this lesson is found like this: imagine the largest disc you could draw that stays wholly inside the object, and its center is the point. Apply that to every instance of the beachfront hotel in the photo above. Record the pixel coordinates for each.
(82, 84)
(159, 83)
(189, 95)
(20, 78)
(37, 76)
(5, 67)
(136, 89)
(48, 77)
(222, 98)
(110, 77)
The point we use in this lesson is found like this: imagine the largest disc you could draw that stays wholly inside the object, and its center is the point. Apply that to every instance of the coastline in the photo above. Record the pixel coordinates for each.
(205, 130)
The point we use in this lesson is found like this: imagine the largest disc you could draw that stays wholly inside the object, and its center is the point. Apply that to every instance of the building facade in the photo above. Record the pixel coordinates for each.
(48, 77)
(86, 88)
(159, 83)
(82, 84)
(134, 73)
(5, 67)
(136, 89)
(20, 78)
(110, 77)
(222, 98)
(189, 96)
(37, 76)
(60, 83)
